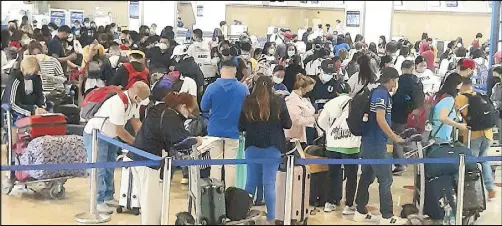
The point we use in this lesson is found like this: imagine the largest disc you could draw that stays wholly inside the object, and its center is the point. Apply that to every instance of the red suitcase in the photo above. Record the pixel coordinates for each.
(35, 126)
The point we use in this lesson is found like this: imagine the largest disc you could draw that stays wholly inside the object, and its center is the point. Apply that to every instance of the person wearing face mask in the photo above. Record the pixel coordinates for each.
(201, 53)
(326, 81)
(278, 78)
(133, 72)
(430, 81)
(291, 51)
(110, 120)
(12, 26)
(300, 109)
(76, 26)
(75, 44)
(56, 48)
(160, 56)
(162, 128)
(187, 66)
(93, 25)
(282, 48)
(225, 54)
(247, 56)
(98, 69)
(294, 68)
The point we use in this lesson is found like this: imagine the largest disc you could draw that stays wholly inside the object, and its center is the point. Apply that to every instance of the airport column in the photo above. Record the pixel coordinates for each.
(377, 20)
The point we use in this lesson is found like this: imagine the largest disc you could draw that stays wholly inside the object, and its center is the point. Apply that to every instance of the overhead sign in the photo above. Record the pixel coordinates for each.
(76, 15)
(451, 3)
(58, 16)
(353, 18)
(134, 9)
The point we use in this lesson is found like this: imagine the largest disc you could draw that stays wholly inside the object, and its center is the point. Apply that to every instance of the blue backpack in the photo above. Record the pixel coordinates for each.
(170, 82)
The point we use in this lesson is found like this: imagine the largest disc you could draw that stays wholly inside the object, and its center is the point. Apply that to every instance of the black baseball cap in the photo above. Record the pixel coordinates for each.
(388, 74)
(328, 66)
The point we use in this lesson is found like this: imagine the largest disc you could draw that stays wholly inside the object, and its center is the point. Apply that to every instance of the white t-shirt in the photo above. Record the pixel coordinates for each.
(189, 86)
(201, 54)
(110, 114)
(430, 81)
(313, 67)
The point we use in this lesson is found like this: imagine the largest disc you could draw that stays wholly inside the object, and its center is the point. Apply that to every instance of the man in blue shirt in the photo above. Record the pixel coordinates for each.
(374, 146)
(223, 101)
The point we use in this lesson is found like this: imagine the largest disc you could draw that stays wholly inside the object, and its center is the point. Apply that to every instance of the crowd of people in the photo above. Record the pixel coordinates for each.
(292, 88)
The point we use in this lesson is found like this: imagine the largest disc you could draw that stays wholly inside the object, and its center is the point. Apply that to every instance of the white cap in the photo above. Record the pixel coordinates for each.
(179, 50)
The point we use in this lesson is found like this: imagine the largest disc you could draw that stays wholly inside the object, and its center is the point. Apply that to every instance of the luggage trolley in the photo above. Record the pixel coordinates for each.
(53, 188)
(194, 195)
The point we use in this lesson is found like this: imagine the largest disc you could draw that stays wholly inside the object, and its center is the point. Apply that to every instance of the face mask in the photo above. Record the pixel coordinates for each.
(77, 26)
(225, 52)
(215, 60)
(291, 53)
(459, 45)
(277, 80)
(163, 46)
(77, 32)
(93, 25)
(326, 77)
(87, 25)
(271, 51)
(145, 102)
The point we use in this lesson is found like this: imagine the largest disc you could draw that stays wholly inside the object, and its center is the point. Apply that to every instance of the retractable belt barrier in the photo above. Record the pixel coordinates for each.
(154, 161)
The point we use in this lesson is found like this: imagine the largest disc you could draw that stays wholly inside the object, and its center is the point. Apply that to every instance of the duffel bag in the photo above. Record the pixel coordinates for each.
(238, 203)
(446, 150)
(474, 193)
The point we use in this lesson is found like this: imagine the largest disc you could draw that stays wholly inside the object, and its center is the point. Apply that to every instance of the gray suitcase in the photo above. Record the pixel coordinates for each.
(212, 200)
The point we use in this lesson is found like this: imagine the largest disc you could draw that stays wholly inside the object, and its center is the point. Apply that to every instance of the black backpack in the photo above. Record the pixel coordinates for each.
(358, 107)
(481, 114)
(238, 203)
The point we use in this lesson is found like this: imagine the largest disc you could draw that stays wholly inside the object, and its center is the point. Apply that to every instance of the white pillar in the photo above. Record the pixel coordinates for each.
(377, 20)
(162, 13)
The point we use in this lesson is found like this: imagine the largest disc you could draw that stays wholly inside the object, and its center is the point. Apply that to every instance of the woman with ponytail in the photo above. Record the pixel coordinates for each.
(162, 128)
(301, 109)
(264, 117)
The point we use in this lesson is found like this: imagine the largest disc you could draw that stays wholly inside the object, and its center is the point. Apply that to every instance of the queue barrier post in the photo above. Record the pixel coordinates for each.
(93, 216)
(460, 190)
(166, 191)
(10, 175)
(289, 189)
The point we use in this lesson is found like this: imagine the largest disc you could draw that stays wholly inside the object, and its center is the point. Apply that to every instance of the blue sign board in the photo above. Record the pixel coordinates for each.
(58, 17)
(76, 15)
(134, 9)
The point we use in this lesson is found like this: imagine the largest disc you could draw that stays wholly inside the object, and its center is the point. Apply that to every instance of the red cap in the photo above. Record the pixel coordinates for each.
(288, 35)
(468, 63)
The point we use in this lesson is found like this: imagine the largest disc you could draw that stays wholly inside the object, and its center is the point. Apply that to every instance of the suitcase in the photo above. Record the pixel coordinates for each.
(66, 149)
(446, 150)
(71, 111)
(474, 193)
(129, 192)
(212, 200)
(301, 193)
(318, 189)
(75, 130)
(41, 125)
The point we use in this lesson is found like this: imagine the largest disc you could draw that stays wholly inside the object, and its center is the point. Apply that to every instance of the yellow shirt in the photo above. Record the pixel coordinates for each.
(462, 100)
(85, 53)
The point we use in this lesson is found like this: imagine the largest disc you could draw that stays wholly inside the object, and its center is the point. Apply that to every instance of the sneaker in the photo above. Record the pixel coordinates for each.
(398, 171)
(328, 207)
(113, 202)
(104, 208)
(392, 221)
(184, 181)
(359, 217)
(349, 210)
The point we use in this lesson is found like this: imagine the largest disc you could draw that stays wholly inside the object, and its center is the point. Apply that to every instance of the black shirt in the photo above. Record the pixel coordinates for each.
(159, 59)
(121, 77)
(323, 91)
(56, 50)
(153, 137)
(264, 134)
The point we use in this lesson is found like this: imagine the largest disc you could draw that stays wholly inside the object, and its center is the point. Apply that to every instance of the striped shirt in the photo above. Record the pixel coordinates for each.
(379, 100)
(50, 67)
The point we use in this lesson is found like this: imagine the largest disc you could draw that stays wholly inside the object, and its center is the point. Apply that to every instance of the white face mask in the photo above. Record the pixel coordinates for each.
(69, 39)
(26, 41)
(77, 32)
(87, 25)
(215, 60)
(326, 77)
(162, 46)
(145, 102)
(291, 53)
(459, 45)
(277, 80)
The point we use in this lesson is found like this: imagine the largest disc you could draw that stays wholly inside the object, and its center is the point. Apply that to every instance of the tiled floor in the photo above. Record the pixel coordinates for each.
(27, 208)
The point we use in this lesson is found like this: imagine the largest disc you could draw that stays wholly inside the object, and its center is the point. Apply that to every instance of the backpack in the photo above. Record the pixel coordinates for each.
(238, 203)
(168, 82)
(359, 106)
(497, 96)
(135, 76)
(481, 113)
(94, 99)
(418, 118)
(481, 76)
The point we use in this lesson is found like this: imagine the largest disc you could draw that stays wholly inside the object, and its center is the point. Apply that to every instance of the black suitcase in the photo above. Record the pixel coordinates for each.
(71, 111)
(446, 150)
(474, 193)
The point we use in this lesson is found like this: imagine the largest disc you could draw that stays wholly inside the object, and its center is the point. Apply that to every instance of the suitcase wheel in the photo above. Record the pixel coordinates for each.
(135, 211)
(119, 209)
(56, 191)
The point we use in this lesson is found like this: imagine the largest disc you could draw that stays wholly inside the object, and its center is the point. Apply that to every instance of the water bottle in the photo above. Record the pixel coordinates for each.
(365, 118)
(447, 213)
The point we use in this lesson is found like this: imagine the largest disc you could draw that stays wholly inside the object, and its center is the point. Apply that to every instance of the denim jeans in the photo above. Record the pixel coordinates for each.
(336, 179)
(479, 148)
(264, 174)
(105, 176)
(375, 150)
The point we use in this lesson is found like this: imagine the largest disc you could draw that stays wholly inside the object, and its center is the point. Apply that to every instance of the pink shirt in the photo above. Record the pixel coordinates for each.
(429, 58)
(302, 114)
